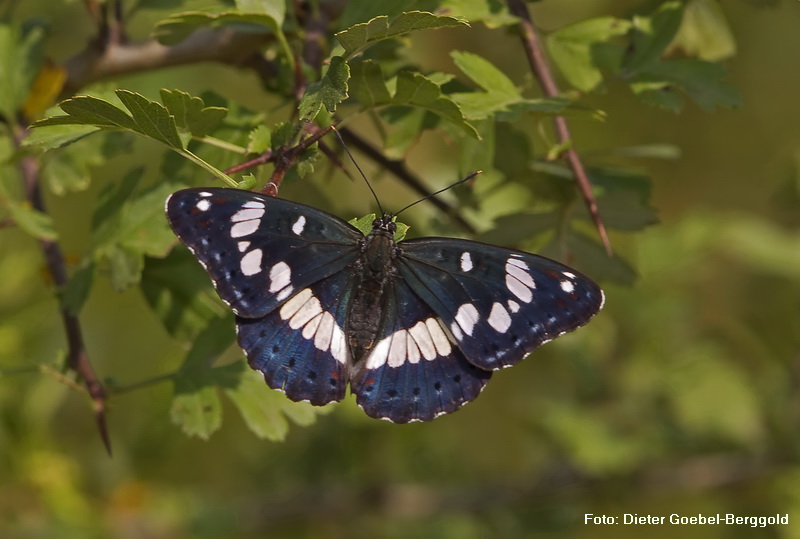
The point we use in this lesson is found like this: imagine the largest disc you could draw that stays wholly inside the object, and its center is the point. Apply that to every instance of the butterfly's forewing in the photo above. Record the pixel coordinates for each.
(499, 304)
(414, 372)
(301, 347)
(260, 250)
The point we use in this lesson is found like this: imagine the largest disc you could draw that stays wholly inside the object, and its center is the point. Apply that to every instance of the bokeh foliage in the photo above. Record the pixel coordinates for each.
(680, 397)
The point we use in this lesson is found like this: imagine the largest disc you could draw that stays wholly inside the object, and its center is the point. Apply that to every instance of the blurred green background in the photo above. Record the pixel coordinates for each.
(681, 396)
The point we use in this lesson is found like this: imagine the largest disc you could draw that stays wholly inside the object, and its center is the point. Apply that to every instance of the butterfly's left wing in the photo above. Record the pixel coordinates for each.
(499, 304)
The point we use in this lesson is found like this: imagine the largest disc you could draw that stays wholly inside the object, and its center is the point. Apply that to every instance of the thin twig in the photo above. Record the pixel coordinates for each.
(399, 169)
(77, 357)
(541, 69)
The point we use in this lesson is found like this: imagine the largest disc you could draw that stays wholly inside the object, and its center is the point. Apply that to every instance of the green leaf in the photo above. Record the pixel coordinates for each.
(259, 140)
(360, 36)
(416, 90)
(625, 211)
(591, 255)
(652, 35)
(178, 290)
(700, 80)
(492, 13)
(328, 91)
(125, 266)
(37, 224)
(197, 410)
(367, 84)
(276, 9)
(152, 119)
(196, 407)
(190, 112)
(578, 50)
(517, 228)
(57, 136)
(364, 224)
(179, 26)
(21, 57)
(265, 411)
(499, 92)
(705, 32)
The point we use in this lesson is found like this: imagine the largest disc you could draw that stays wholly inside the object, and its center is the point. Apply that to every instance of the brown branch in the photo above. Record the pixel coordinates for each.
(77, 357)
(399, 169)
(103, 60)
(541, 69)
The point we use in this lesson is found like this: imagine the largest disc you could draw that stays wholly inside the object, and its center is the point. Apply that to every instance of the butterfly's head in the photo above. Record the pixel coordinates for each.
(385, 222)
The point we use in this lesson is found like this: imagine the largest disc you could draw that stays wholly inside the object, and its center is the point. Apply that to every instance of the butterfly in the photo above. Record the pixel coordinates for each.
(414, 327)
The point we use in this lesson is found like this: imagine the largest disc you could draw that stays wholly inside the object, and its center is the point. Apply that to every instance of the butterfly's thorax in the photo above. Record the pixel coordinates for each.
(373, 270)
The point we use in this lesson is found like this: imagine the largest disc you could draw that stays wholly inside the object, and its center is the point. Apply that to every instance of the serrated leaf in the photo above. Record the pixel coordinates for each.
(190, 112)
(21, 56)
(624, 210)
(89, 110)
(705, 32)
(178, 291)
(364, 224)
(125, 266)
(417, 90)
(492, 13)
(652, 35)
(700, 80)
(179, 26)
(276, 9)
(196, 410)
(574, 49)
(367, 84)
(265, 411)
(499, 92)
(329, 91)
(56, 136)
(360, 36)
(37, 224)
(259, 139)
(517, 228)
(592, 255)
(247, 183)
(152, 119)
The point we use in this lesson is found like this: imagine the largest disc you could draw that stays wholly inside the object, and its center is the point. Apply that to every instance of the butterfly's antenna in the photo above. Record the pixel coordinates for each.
(459, 182)
(341, 140)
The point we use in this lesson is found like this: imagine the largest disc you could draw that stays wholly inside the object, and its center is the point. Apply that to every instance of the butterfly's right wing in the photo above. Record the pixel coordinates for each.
(260, 251)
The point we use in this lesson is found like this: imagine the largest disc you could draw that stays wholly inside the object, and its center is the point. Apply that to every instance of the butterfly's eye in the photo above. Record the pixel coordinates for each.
(392, 227)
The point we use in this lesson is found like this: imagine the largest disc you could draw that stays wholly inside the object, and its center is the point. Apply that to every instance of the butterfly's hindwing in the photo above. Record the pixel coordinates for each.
(301, 347)
(414, 371)
(260, 250)
(499, 304)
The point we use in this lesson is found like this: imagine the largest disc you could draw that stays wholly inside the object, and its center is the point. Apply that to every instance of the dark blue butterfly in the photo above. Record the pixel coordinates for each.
(415, 327)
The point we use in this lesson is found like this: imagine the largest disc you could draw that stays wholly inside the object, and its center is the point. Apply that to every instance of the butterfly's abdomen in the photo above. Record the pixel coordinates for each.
(374, 269)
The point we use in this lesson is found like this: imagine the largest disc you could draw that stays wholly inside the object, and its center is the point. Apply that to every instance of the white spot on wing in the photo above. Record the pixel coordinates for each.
(204, 194)
(280, 276)
(243, 246)
(567, 286)
(322, 338)
(440, 340)
(253, 204)
(203, 204)
(518, 289)
(397, 352)
(499, 318)
(466, 261)
(513, 306)
(293, 305)
(521, 273)
(380, 353)
(569, 275)
(412, 350)
(307, 311)
(251, 262)
(467, 317)
(299, 225)
(424, 340)
(247, 214)
(245, 228)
